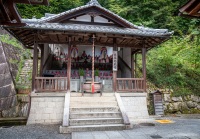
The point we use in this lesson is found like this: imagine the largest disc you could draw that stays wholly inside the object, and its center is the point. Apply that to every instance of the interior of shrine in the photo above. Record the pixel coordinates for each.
(81, 62)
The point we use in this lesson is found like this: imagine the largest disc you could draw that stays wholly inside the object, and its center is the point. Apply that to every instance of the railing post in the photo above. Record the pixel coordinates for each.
(41, 59)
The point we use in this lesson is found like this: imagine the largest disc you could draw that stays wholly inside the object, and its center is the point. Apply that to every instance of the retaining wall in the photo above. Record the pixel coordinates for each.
(8, 71)
(46, 108)
(135, 105)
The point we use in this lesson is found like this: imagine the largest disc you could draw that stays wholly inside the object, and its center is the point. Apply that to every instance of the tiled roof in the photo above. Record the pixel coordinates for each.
(95, 28)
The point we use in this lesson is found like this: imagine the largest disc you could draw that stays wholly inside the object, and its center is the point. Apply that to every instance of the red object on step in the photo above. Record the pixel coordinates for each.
(92, 87)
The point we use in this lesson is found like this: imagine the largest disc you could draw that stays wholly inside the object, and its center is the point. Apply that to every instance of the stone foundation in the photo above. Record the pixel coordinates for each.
(46, 108)
(135, 105)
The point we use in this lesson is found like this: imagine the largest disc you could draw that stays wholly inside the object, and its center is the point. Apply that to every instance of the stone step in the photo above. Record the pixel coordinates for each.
(94, 109)
(158, 107)
(96, 101)
(95, 104)
(159, 110)
(93, 99)
(91, 95)
(95, 121)
(160, 104)
(110, 127)
(159, 113)
(95, 115)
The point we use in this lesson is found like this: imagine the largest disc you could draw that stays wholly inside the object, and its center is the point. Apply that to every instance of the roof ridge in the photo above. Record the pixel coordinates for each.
(93, 2)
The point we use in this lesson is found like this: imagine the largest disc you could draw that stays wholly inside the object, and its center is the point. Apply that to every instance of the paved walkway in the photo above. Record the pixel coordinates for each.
(180, 129)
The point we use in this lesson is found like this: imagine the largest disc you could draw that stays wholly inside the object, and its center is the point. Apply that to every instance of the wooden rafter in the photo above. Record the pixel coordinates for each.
(122, 41)
(190, 9)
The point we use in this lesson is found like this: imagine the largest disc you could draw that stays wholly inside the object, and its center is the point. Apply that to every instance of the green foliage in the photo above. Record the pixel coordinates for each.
(25, 53)
(56, 6)
(81, 72)
(20, 66)
(176, 65)
(96, 72)
(22, 87)
(9, 40)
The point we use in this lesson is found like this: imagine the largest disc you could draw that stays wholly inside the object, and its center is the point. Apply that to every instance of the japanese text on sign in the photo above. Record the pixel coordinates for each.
(115, 60)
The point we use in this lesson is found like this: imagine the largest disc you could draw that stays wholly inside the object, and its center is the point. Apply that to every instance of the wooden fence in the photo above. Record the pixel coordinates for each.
(131, 85)
(51, 84)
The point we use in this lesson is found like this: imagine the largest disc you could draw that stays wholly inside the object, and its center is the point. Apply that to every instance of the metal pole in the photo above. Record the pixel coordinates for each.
(93, 37)
(92, 85)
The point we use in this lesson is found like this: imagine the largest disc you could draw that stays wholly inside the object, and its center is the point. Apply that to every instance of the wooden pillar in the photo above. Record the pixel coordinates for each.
(144, 66)
(135, 65)
(132, 65)
(69, 65)
(41, 59)
(114, 72)
(35, 63)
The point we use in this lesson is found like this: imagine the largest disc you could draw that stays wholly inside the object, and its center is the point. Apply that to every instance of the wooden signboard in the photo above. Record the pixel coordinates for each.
(115, 59)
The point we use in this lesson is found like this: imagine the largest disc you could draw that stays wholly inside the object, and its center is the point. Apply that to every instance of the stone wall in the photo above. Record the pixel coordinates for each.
(8, 99)
(181, 105)
(11, 104)
(20, 109)
(46, 108)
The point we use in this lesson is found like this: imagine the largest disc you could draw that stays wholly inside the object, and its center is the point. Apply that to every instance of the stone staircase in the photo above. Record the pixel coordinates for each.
(94, 113)
(25, 74)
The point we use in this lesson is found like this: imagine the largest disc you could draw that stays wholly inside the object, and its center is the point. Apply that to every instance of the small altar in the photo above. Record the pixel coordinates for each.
(81, 66)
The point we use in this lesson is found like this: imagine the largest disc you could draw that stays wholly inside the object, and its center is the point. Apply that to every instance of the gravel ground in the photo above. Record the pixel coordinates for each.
(33, 132)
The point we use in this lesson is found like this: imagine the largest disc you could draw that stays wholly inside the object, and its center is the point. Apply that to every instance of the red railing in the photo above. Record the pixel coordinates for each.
(131, 85)
(53, 84)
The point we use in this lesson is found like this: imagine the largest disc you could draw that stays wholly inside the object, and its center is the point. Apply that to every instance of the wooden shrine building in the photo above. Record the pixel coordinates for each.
(86, 41)
(74, 29)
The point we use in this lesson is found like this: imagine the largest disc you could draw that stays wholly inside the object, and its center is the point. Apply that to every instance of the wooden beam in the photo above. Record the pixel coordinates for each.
(107, 40)
(122, 41)
(132, 64)
(12, 7)
(88, 23)
(35, 63)
(57, 37)
(99, 39)
(24, 34)
(135, 65)
(69, 65)
(144, 64)
(41, 59)
(195, 10)
(130, 41)
(87, 43)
